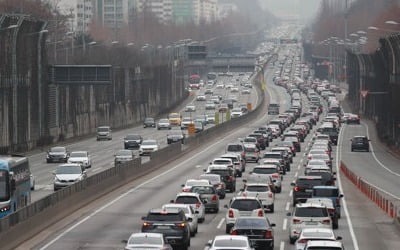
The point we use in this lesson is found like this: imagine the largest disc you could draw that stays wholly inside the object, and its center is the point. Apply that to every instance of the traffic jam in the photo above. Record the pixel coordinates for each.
(243, 183)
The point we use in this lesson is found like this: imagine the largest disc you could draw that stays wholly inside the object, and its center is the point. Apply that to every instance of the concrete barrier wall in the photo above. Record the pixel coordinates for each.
(34, 218)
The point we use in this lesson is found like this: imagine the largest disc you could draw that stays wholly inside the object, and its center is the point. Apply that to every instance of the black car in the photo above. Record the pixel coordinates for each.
(170, 222)
(228, 177)
(328, 178)
(332, 132)
(360, 143)
(175, 136)
(57, 154)
(303, 187)
(258, 229)
(149, 122)
(260, 139)
(132, 141)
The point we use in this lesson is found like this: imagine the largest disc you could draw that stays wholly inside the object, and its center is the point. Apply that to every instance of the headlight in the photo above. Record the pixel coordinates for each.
(56, 179)
(126, 141)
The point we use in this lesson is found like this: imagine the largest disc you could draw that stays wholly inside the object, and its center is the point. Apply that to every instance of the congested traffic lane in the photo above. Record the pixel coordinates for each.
(102, 152)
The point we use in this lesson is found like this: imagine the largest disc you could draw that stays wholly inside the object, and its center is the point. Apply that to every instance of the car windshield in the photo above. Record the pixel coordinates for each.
(220, 172)
(58, 150)
(251, 223)
(245, 205)
(124, 153)
(186, 200)
(265, 170)
(150, 240)
(149, 120)
(222, 162)
(149, 142)
(203, 190)
(4, 186)
(164, 121)
(250, 150)
(78, 154)
(174, 116)
(163, 217)
(69, 170)
(227, 243)
(257, 188)
(103, 129)
(132, 137)
(235, 148)
(325, 192)
(311, 212)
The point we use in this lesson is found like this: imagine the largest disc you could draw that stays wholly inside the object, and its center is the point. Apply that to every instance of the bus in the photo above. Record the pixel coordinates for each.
(15, 183)
(194, 82)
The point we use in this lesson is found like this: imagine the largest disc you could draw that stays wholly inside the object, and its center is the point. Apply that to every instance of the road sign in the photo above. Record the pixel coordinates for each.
(364, 93)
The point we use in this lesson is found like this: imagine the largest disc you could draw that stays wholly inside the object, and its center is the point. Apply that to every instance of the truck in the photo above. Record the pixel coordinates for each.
(273, 109)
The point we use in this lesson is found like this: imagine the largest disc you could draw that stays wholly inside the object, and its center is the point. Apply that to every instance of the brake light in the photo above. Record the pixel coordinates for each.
(327, 222)
(275, 175)
(147, 224)
(296, 221)
(214, 198)
(302, 241)
(5, 209)
(230, 178)
(185, 189)
(230, 213)
(309, 157)
(198, 204)
(268, 235)
(181, 225)
(260, 213)
(234, 232)
(296, 189)
(270, 195)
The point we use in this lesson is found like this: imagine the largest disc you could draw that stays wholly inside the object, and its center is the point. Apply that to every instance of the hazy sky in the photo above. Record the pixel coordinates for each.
(305, 9)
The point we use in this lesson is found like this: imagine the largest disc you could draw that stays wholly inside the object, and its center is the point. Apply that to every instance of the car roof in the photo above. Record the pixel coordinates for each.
(326, 187)
(308, 177)
(69, 165)
(305, 205)
(266, 166)
(325, 243)
(164, 210)
(188, 194)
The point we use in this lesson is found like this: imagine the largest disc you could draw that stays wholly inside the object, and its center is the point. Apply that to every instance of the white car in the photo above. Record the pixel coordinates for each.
(210, 105)
(236, 242)
(148, 146)
(314, 163)
(245, 91)
(190, 108)
(189, 213)
(263, 192)
(147, 241)
(194, 200)
(271, 170)
(236, 112)
(80, 157)
(194, 182)
(308, 215)
(324, 244)
(309, 234)
(201, 98)
(242, 206)
(67, 174)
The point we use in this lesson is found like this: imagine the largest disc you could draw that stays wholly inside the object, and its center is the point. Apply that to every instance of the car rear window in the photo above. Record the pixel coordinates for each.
(265, 170)
(245, 205)
(325, 192)
(272, 156)
(203, 190)
(186, 200)
(164, 217)
(221, 172)
(221, 162)
(251, 223)
(308, 182)
(359, 139)
(311, 212)
(230, 244)
(257, 188)
(235, 148)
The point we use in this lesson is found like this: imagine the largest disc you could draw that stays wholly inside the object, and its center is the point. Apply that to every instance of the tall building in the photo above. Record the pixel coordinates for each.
(208, 11)
(80, 12)
(162, 9)
(114, 13)
(225, 8)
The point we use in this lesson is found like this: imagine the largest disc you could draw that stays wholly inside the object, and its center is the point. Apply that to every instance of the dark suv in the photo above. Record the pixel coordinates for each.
(227, 176)
(360, 143)
(132, 141)
(303, 187)
(170, 222)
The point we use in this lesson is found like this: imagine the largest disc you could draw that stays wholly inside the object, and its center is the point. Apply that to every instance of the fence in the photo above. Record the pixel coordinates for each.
(377, 75)
(390, 205)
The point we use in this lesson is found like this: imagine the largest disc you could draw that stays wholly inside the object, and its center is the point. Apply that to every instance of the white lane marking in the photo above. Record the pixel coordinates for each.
(376, 159)
(306, 148)
(284, 224)
(291, 193)
(301, 161)
(199, 166)
(346, 211)
(298, 167)
(282, 245)
(220, 223)
(123, 195)
(297, 173)
(287, 206)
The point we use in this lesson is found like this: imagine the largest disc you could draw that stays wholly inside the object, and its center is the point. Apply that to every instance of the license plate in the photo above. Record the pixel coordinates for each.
(311, 223)
(163, 227)
(309, 190)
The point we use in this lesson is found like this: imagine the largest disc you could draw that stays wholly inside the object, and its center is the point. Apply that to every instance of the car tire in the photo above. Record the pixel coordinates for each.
(228, 229)
(335, 225)
(272, 208)
(352, 149)
(292, 240)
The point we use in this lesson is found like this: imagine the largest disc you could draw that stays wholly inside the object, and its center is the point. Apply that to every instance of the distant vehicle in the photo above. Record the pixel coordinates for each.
(57, 154)
(148, 146)
(163, 124)
(123, 155)
(273, 109)
(149, 122)
(67, 174)
(81, 157)
(104, 133)
(360, 143)
(175, 136)
(132, 141)
(175, 119)
(190, 108)
(212, 76)
(15, 184)
(236, 242)
(147, 241)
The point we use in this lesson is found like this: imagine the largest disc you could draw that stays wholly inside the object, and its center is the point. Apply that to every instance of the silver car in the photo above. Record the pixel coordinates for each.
(67, 174)
(147, 241)
(209, 196)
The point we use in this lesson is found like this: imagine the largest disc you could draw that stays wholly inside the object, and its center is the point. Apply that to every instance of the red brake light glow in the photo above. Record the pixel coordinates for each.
(230, 213)
(268, 235)
(260, 213)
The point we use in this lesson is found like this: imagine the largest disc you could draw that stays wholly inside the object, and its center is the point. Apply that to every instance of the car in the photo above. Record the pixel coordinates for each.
(210, 105)
(327, 202)
(149, 122)
(352, 119)
(209, 194)
(201, 98)
(202, 119)
(190, 108)
(104, 133)
(57, 154)
(194, 182)
(163, 124)
(236, 112)
(227, 174)
(303, 187)
(246, 91)
(330, 192)
(170, 222)
(68, 174)
(80, 157)
(195, 201)
(242, 206)
(258, 229)
(311, 234)
(123, 155)
(239, 164)
(314, 163)
(262, 191)
(147, 241)
(279, 155)
(132, 141)
(148, 146)
(307, 215)
(208, 91)
(175, 136)
(252, 153)
(217, 182)
(198, 126)
(325, 157)
(210, 118)
(262, 141)
(186, 121)
(223, 108)
(236, 148)
(175, 119)
(190, 214)
(328, 177)
(360, 143)
(272, 171)
(287, 153)
(233, 242)
(324, 244)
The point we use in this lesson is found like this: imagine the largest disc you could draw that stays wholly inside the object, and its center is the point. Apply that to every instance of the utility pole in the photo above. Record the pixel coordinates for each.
(345, 40)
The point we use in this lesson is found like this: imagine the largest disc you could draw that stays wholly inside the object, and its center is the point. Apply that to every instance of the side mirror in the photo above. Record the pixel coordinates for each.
(341, 195)
(292, 184)
(273, 181)
(334, 173)
(339, 238)
(204, 170)
(225, 206)
(273, 225)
